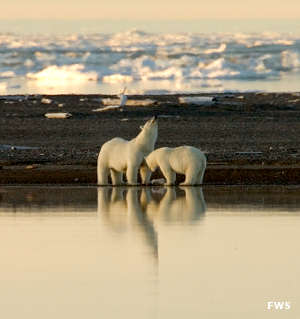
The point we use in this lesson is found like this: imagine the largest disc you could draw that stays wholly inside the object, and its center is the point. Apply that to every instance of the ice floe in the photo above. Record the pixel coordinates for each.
(58, 115)
(55, 75)
(187, 60)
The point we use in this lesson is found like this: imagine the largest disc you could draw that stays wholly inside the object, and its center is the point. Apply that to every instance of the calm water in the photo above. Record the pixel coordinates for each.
(215, 252)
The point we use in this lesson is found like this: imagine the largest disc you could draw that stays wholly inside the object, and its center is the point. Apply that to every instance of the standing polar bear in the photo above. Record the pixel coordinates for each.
(118, 155)
(186, 160)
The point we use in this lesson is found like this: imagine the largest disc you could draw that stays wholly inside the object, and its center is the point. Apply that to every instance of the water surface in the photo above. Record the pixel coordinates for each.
(149, 253)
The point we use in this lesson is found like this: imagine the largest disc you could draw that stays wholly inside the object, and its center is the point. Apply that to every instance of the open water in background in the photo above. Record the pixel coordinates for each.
(149, 252)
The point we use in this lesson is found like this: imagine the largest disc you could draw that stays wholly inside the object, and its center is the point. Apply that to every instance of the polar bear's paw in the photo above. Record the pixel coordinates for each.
(186, 184)
(133, 184)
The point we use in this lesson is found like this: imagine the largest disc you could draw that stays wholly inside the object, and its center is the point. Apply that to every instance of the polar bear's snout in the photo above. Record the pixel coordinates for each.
(149, 123)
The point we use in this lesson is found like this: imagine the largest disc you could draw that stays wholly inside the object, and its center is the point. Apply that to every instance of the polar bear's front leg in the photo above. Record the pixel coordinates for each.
(102, 170)
(131, 174)
(169, 174)
(102, 175)
(116, 177)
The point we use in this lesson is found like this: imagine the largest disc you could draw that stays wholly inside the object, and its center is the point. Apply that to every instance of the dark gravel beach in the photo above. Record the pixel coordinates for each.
(248, 137)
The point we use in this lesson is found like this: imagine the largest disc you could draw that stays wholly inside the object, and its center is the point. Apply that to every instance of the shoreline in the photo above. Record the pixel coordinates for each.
(87, 175)
(248, 138)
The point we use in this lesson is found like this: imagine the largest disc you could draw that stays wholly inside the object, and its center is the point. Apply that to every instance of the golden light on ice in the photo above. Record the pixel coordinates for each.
(66, 75)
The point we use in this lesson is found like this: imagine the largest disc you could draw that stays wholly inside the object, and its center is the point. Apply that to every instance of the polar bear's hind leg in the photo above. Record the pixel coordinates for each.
(202, 171)
(191, 177)
(200, 177)
(131, 174)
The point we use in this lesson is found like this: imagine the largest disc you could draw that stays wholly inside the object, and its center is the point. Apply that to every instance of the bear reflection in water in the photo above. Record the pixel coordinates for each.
(140, 208)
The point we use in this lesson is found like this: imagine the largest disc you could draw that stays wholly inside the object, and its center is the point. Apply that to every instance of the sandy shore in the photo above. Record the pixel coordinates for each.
(249, 138)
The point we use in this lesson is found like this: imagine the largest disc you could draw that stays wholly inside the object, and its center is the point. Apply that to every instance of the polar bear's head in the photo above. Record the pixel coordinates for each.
(150, 124)
(148, 135)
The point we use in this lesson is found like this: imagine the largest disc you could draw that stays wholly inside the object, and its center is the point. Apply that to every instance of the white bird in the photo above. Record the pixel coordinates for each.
(123, 100)
(123, 97)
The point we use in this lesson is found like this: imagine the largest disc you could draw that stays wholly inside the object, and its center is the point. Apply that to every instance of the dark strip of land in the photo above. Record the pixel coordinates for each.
(249, 138)
(80, 175)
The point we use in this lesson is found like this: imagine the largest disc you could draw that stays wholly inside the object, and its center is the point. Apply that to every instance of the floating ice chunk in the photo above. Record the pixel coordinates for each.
(284, 42)
(3, 87)
(197, 100)
(107, 108)
(28, 63)
(46, 101)
(130, 102)
(7, 74)
(146, 102)
(290, 60)
(109, 101)
(168, 73)
(117, 78)
(218, 68)
(43, 56)
(54, 75)
(58, 115)
(220, 49)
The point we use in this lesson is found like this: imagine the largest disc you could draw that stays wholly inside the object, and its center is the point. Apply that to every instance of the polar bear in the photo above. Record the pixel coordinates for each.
(186, 160)
(118, 155)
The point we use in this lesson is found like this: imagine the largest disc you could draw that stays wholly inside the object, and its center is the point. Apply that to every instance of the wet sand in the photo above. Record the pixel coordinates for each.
(249, 138)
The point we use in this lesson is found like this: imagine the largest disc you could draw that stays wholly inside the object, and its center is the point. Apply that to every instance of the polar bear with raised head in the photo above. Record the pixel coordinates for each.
(119, 156)
(186, 160)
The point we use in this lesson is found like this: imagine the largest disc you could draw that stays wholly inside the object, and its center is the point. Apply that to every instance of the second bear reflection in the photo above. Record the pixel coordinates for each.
(117, 204)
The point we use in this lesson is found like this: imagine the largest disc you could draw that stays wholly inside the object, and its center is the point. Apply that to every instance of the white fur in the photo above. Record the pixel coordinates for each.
(186, 160)
(118, 155)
